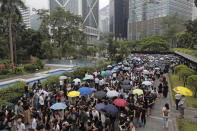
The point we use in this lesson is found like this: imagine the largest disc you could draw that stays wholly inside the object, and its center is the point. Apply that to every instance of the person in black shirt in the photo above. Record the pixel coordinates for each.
(138, 115)
(26, 88)
(10, 118)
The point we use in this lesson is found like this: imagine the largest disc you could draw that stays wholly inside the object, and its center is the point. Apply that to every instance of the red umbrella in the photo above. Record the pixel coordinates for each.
(120, 102)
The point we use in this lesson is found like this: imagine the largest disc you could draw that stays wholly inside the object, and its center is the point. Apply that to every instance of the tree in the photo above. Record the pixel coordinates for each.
(179, 67)
(122, 50)
(184, 40)
(191, 28)
(195, 2)
(185, 73)
(192, 81)
(47, 49)
(11, 7)
(112, 46)
(172, 25)
(155, 44)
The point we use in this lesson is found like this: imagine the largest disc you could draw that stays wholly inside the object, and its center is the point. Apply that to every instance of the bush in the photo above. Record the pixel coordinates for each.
(30, 67)
(4, 102)
(178, 68)
(12, 93)
(50, 81)
(4, 72)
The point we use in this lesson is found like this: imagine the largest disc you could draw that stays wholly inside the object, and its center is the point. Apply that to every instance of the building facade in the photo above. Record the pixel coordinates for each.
(25, 13)
(88, 9)
(119, 12)
(145, 16)
(104, 19)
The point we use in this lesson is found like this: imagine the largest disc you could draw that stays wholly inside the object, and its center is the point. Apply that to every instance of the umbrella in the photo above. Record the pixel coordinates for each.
(100, 106)
(108, 73)
(103, 73)
(100, 94)
(88, 77)
(109, 66)
(126, 87)
(145, 72)
(157, 68)
(120, 102)
(84, 91)
(77, 80)
(139, 69)
(111, 109)
(126, 82)
(120, 63)
(58, 106)
(93, 89)
(183, 91)
(63, 77)
(112, 93)
(73, 94)
(138, 91)
(115, 68)
(147, 83)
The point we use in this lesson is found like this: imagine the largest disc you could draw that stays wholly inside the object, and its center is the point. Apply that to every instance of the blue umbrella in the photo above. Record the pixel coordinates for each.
(84, 91)
(111, 109)
(120, 63)
(58, 106)
(116, 68)
(100, 106)
(108, 73)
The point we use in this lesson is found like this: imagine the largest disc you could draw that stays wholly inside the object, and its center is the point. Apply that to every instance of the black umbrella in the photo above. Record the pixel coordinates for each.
(100, 94)
(126, 87)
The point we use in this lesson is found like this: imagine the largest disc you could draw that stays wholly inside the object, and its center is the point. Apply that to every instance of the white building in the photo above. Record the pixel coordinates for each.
(26, 15)
(88, 9)
(104, 19)
(194, 12)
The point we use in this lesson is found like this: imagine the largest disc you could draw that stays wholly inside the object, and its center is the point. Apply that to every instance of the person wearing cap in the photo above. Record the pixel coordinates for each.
(178, 97)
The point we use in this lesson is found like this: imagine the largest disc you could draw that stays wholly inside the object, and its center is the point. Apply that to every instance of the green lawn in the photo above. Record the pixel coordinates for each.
(186, 126)
(186, 51)
(174, 82)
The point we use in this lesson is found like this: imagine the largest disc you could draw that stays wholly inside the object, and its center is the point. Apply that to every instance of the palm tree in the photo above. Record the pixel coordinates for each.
(10, 7)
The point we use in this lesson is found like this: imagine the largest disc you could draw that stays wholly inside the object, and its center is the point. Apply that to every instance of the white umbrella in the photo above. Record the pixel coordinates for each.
(145, 72)
(112, 93)
(109, 66)
(147, 83)
(63, 77)
(77, 80)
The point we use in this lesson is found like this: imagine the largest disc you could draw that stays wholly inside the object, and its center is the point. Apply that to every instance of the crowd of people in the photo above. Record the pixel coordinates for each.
(83, 113)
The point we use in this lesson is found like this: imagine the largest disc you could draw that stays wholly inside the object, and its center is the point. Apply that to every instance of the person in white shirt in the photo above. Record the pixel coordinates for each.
(103, 118)
(20, 125)
(182, 105)
(165, 111)
(96, 81)
(61, 84)
(41, 101)
(178, 97)
(34, 124)
(95, 113)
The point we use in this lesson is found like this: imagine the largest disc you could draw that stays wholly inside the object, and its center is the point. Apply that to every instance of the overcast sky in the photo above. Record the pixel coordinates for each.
(43, 4)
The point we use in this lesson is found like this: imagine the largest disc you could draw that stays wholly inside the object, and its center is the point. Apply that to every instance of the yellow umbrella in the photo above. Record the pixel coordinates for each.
(183, 91)
(73, 94)
(138, 91)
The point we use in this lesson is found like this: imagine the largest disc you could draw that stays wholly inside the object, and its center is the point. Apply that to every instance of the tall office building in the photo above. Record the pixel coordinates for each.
(25, 13)
(88, 9)
(119, 10)
(145, 16)
(104, 19)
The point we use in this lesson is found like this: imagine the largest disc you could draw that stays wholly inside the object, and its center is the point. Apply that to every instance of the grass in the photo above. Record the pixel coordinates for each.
(186, 51)
(186, 125)
(174, 82)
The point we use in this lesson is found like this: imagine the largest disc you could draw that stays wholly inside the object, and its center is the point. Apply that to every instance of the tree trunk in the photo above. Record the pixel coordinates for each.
(195, 93)
(15, 56)
(10, 40)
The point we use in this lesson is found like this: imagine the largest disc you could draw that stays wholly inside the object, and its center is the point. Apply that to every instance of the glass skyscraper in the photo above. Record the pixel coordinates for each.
(88, 9)
(145, 16)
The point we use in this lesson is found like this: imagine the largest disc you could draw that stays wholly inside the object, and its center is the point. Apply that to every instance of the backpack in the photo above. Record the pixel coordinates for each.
(166, 113)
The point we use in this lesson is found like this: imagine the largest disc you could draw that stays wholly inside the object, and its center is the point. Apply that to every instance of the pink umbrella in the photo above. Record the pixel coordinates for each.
(139, 69)
(120, 102)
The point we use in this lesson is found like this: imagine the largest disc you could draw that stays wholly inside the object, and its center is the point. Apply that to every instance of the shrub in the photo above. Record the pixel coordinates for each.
(178, 68)
(50, 81)
(30, 67)
(4, 72)
(4, 102)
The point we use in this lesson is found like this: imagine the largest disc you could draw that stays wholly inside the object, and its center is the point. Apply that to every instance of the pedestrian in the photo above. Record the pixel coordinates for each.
(165, 90)
(26, 88)
(20, 125)
(178, 97)
(165, 112)
(160, 89)
(182, 106)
